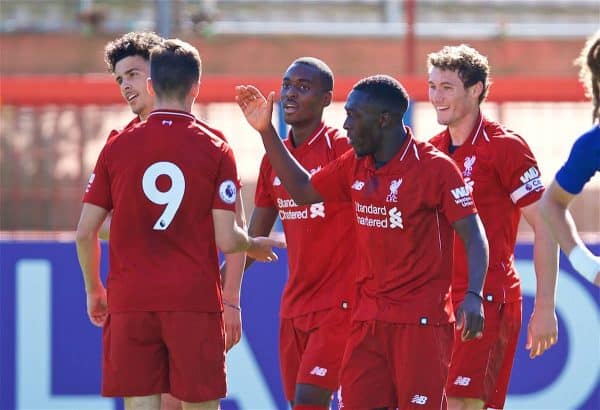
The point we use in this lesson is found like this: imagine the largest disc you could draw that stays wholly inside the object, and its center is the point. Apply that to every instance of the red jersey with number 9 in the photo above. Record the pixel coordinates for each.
(162, 178)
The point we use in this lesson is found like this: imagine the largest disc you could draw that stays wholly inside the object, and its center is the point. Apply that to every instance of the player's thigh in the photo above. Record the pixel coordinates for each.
(196, 343)
(503, 354)
(421, 357)
(322, 358)
(292, 342)
(366, 379)
(478, 364)
(135, 359)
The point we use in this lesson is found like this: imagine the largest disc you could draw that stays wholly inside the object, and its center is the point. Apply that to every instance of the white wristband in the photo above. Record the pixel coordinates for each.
(585, 262)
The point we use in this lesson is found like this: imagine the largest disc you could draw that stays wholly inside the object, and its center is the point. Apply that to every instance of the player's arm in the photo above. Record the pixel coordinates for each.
(104, 231)
(258, 111)
(554, 207)
(230, 238)
(88, 253)
(232, 271)
(470, 315)
(542, 331)
(261, 224)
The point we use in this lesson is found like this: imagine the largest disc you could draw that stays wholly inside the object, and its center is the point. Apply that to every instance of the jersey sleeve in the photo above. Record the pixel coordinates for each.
(449, 192)
(263, 196)
(341, 144)
(518, 171)
(227, 185)
(97, 191)
(332, 181)
(582, 164)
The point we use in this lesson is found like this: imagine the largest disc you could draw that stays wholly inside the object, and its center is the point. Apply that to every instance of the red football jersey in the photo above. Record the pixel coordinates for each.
(131, 123)
(503, 175)
(162, 178)
(321, 258)
(403, 215)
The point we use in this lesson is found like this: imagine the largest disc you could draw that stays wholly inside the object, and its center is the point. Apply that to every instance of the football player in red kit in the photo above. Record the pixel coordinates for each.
(316, 302)
(172, 188)
(502, 174)
(408, 198)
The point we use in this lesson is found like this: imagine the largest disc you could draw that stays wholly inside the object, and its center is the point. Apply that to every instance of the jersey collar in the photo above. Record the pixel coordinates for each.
(319, 132)
(407, 150)
(172, 114)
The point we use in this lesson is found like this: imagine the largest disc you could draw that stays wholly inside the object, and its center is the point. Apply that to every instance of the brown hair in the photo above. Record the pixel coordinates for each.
(175, 67)
(472, 67)
(589, 72)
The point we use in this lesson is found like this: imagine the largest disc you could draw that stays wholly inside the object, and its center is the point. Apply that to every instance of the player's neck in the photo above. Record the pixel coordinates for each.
(173, 105)
(301, 132)
(461, 129)
(390, 145)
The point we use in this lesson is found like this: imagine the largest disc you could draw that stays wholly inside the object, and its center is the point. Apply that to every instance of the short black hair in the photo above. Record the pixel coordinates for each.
(130, 44)
(385, 91)
(175, 67)
(323, 69)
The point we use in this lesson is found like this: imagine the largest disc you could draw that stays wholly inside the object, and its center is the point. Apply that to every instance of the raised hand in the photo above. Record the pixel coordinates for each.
(257, 109)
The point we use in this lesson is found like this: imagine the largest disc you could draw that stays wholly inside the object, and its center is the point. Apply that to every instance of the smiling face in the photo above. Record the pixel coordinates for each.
(131, 74)
(453, 102)
(302, 95)
(362, 124)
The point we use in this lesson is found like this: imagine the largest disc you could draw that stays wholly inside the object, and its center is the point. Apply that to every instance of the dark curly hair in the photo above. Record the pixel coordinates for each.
(589, 72)
(130, 44)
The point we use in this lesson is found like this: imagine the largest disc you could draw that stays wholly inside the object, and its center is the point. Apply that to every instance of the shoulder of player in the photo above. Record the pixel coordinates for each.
(438, 139)
(210, 130)
(590, 139)
(430, 156)
(500, 135)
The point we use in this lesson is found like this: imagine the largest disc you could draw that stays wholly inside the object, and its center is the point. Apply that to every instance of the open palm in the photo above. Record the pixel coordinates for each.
(256, 108)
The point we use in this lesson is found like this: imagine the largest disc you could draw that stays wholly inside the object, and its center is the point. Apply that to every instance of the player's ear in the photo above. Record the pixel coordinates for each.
(150, 87)
(327, 97)
(195, 90)
(477, 89)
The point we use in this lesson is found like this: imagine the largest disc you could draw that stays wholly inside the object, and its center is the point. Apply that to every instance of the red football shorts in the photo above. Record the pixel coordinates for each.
(182, 353)
(481, 368)
(396, 365)
(311, 348)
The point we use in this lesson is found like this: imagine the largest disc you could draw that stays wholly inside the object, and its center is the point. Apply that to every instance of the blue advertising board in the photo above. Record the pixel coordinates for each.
(50, 354)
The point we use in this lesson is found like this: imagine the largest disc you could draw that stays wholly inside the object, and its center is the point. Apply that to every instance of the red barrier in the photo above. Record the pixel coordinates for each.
(99, 89)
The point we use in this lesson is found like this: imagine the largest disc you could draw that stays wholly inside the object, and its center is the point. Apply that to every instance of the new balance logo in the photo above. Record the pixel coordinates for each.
(317, 210)
(530, 174)
(167, 122)
(318, 371)
(358, 185)
(418, 399)
(462, 381)
(396, 218)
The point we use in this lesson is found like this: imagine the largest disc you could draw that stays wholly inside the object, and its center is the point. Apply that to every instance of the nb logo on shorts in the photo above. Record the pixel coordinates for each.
(418, 399)
(462, 381)
(319, 371)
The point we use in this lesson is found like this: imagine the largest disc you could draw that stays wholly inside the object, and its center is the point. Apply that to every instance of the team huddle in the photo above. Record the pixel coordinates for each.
(402, 289)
